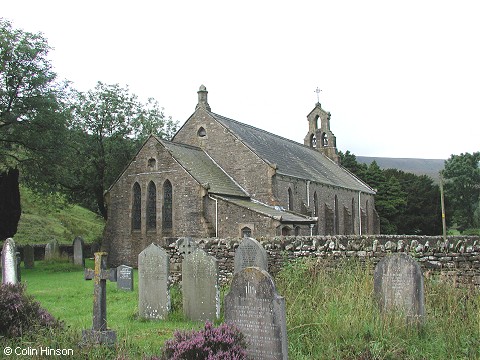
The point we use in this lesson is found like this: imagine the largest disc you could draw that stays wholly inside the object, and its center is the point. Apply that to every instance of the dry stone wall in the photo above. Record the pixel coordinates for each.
(456, 259)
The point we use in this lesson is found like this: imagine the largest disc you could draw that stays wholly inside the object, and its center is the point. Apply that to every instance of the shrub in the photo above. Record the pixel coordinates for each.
(20, 313)
(210, 343)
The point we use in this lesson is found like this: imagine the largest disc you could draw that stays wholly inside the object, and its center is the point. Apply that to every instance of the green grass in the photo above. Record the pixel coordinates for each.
(331, 314)
(50, 217)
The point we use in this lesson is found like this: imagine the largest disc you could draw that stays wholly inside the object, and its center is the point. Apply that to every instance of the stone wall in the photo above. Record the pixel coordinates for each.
(457, 259)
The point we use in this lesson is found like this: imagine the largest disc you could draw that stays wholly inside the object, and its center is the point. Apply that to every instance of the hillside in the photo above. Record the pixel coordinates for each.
(49, 217)
(429, 167)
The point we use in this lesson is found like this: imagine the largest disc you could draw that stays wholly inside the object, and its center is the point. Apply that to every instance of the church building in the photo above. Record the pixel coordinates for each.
(218, 177)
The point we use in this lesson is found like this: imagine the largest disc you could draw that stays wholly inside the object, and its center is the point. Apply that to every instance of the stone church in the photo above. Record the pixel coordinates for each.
(221, 178)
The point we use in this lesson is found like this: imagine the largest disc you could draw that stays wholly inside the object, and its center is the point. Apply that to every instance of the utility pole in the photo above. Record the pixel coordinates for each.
(442, 201)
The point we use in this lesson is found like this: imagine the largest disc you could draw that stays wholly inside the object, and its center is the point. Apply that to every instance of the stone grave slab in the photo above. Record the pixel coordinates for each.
(9, 262)
(52, 250)
(186, 245)
(398, 286)
(125, 277)
(28, 257)
(254, 306)
(250, 253)
(78, 246)
(200, 286)
(153, 291)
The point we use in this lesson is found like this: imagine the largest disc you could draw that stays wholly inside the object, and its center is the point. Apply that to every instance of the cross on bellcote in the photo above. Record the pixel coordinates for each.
(317, 90)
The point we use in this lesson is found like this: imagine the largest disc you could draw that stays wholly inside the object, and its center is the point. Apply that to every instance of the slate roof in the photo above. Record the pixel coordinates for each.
(203, 169)
(269, 211)
(292, 158)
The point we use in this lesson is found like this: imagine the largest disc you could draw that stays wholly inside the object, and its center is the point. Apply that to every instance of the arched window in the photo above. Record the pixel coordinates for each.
(324, 139)
(286, 231)
(290, 199)
(313, 141)
(246, 232)
(201, 132)
(151, 206)
(167, 205)
(136, 207)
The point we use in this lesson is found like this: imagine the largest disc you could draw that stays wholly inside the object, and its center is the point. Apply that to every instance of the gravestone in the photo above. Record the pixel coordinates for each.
(125, 277)
(78, 245)
(200, 286)
(398, 286)
(9, 262)
(254, 306)
(153, 292)
(100, 334)
(28, 257)
(186, 245)
(52, 250)
(250, 253)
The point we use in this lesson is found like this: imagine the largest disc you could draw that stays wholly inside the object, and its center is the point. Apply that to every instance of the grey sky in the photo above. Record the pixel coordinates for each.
(401, 79)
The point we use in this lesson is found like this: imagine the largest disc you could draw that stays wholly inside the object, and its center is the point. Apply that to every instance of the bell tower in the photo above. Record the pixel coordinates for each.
(321, 138)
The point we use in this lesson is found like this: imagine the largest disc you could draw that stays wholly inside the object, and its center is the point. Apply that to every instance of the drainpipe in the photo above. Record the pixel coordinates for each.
(359, 214)
(216, 215)
(308, 193)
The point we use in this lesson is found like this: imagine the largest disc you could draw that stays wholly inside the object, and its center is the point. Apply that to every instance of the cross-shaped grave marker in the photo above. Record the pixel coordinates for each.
(99, 333)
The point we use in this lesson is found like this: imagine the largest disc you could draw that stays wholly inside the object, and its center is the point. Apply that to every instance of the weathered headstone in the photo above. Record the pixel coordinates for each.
(398, 286)
(250, 253)
(28, 257)
(52, 250)
(186, 245)
(254, 306)
(9, 262)
(78, 245)
(125, 277)
(153, 292)
(100, 334)
(200, 286)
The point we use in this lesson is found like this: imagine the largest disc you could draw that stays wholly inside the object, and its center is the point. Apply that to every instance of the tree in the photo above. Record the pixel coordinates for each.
(107, 124)
(32, 122)
(462, 188)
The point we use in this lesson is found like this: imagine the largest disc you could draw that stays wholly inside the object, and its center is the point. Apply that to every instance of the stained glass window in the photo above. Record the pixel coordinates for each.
(151, 206)
(137, 207)
(167, 205)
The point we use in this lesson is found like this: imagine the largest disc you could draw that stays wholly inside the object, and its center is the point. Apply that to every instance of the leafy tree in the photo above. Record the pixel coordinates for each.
(462, 188)
(107, 124)
(32, 122)
(421, 213)
(349, 161)
(31, 117)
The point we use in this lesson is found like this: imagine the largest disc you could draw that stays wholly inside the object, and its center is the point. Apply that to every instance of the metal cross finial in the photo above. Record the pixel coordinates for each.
(317, 90)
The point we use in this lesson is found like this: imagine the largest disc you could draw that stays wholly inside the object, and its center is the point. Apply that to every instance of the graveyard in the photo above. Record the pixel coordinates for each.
(307, 310)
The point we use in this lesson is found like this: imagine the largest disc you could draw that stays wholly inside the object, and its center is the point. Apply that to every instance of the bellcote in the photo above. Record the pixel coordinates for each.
(203, 99)
(321, 138)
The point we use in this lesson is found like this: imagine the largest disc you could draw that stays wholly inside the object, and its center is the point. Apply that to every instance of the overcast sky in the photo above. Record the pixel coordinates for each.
(400, 78)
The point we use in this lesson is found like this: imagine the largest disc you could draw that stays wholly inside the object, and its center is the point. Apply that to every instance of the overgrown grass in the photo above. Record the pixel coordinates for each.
(50, 217)
(331, 314)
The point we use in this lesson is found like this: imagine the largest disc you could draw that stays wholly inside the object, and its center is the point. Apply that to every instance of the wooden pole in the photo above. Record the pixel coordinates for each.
(442, 201)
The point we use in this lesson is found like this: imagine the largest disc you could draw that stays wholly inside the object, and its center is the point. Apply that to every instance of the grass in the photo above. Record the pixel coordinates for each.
(330, 315)
(50, 217)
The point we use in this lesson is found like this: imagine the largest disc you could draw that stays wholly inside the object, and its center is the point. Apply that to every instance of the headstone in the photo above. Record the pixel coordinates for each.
(250, 253)
(9, 262)
(186, 245)
(100, 334)
(200, 286)
(398, 286)
(125, 277)
(28, 257)
(52, 250)
(78, 245)
(153, 292)
(254, 306)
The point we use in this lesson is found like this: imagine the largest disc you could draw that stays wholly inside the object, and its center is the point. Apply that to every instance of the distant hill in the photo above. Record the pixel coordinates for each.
(429, 167)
